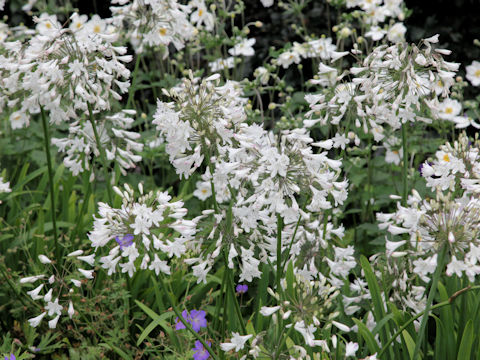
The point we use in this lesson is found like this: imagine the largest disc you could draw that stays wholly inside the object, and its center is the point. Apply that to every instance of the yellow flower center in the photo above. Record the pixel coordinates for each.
(448, 110)
(16, 118)
(440, 83)
(163, 31)
(48, 25)
(204, 191)
(79, 25)
(200, 12)
(477, 73)
(446, 158)
(395, 152)
(96, 29)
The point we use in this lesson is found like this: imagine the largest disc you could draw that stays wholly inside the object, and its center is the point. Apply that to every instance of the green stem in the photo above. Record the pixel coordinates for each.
(436, 306)
(184, 322)
(131, 91)
(46, 138)
(103, 157)
(431, 294)
(279, 251)
(83, 208)
(405, 164)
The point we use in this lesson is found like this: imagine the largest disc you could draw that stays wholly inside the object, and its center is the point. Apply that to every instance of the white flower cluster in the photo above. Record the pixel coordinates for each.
(145, 231)
(63, 70)
(389, 89)
(262, 174)
(59, 289)
(149, 23)
(322, 48)
(452, 219)
(119, 143)
(308, 307)
(201, 118)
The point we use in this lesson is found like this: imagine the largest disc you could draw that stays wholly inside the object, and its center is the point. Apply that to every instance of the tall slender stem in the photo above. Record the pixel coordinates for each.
(131, 91)
(46, 138)
(279, 251)
(431, 294)
(405, 164)
(103, 157)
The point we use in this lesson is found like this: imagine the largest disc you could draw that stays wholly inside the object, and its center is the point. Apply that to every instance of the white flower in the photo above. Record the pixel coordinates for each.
(159, 265)
(245, 48)
(449, 109)
(18, 119)
(267, 3)
(128, 267)
(455, 267)
(203, 191)
(34, 293)
(44, 260)
(268, 311)
(54, 307)
(396, 33)
(351, 348)
(36, 320)
(375, 33)
(473, 73)
(237, 342)
(52, 324)
(87, 273)
(70, 311)
(90, 259)
(31, 279)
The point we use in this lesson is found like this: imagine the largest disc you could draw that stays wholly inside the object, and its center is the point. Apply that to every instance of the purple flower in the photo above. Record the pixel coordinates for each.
(196, 318)
(200, 352)
(12, 357)
(126, 241)
(241, 289)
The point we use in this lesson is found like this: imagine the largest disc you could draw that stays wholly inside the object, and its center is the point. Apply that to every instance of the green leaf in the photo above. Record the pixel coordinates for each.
(160, 321)
(409, 342)
(467, 341)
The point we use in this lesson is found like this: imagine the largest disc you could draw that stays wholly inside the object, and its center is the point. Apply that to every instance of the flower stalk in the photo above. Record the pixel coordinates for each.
(46, 139)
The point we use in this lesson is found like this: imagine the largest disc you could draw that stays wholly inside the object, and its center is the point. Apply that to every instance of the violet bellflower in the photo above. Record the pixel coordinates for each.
(241, 289)
(200, 352)
(125, 241)
(196, 318)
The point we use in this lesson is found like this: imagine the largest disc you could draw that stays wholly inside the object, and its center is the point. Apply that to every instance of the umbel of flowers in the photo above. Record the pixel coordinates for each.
(449, 220)
(62, 70)
(143, 233)
(59, 287)
(255, 178)
(390, 87)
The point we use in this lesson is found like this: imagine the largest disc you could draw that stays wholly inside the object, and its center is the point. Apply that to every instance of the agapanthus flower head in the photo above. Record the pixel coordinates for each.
(450, 219)
(200, 353)
(115, 136)
(202, 118)
(196, 318)
(63, 71)
(147, 226)
(392, 86)
(58, 291)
